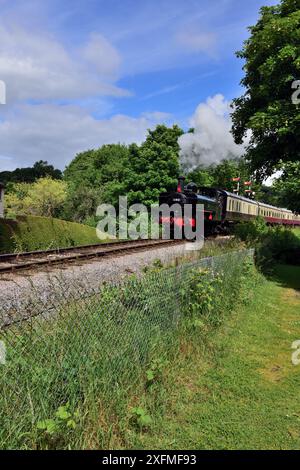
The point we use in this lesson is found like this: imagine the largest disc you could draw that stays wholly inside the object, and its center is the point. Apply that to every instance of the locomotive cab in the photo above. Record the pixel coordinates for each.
(192, 196)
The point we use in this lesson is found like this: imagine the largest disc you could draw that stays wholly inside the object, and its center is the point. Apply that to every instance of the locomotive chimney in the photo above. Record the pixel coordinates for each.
(180, 186)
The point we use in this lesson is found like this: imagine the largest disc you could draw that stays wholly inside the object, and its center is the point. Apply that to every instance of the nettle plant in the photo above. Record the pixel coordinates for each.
(53, 431)
(203, 288)
(154, 373)
(140, 418)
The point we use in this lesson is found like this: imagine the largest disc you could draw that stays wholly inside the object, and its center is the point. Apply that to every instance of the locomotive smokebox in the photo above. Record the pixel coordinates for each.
(180, 185)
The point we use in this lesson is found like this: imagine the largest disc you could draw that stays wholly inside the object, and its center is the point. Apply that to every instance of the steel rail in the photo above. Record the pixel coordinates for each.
(17, 261)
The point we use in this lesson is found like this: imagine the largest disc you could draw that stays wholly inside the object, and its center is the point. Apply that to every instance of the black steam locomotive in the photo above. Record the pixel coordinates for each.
(222, 209)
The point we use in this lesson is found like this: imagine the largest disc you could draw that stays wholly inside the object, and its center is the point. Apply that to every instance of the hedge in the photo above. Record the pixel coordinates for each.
(29, 233)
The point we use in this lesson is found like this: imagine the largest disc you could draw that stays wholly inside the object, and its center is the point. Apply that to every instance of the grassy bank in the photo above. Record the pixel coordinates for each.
(237, 388)
(29, 233)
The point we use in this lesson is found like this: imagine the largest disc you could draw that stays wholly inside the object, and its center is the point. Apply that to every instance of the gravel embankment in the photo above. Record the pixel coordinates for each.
(27, 294)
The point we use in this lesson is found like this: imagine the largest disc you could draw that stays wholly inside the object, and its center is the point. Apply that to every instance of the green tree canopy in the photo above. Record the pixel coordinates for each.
(154, 165)
(40, 169)
(288, 186)
(45, 197)
(266, 110)
(95, 177)
(222, 174)
(139, 172)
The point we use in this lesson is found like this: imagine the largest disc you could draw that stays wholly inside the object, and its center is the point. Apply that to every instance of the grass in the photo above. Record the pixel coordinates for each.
(237, 388)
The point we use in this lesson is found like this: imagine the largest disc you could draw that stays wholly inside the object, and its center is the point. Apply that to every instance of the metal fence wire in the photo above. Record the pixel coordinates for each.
(78, 341)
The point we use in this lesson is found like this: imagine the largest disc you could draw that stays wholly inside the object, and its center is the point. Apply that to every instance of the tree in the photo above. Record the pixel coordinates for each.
(266, 110)
(222, 175)
(201, 176)
(40, 169)
(95, 177)
(288, 187)
(81, 170)
(45, 198)
(154, 165)
(139, 172)
(269, 195)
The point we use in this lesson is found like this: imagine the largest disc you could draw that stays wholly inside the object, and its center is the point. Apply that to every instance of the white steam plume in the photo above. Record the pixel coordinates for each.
(211, 140)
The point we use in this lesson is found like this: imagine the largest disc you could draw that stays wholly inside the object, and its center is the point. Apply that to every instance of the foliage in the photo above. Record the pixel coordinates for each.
(98, 175)
(201, 176)
(140, 172)
(252, 231)
(155, 371)
(53, 433)
(155, 165)
(272, 63)
(273, 244)
(29, 233)
(278, 245)
(269, 195)
(81, 204)
(40, 169)
(221, 175)
(202, 298)
(45, 198)
(140, 417)
(288, 186)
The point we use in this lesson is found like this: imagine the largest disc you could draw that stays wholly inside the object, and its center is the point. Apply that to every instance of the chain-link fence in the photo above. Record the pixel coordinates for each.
(97, 342)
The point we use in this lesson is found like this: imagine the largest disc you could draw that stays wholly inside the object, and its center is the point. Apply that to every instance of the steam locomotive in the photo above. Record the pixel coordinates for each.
(222, 209)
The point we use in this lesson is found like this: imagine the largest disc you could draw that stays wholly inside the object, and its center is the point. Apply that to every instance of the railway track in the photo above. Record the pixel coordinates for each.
(13, 262)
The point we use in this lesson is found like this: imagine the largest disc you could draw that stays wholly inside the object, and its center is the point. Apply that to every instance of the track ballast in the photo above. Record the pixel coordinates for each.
(12, 262)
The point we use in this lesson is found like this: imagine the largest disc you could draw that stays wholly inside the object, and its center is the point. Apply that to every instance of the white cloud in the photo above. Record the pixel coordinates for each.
(211, 141)
(106, 59)
(197, 41)
(157, 116)
(37, 66)
(57, 133)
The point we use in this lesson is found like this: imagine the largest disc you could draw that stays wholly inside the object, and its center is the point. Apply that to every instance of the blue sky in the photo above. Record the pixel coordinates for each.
(80, 74)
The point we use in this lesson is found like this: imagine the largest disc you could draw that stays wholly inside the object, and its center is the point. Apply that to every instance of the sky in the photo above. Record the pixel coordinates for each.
(80, 74)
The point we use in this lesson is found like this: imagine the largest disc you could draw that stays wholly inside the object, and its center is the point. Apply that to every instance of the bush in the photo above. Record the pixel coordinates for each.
(273, 244)
(252, 231)
(279, 245)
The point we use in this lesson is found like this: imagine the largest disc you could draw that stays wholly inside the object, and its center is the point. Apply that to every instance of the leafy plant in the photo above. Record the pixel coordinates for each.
(53, 431)
(154, 373)
(251, 232)
(201, 291)
(140, 417)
